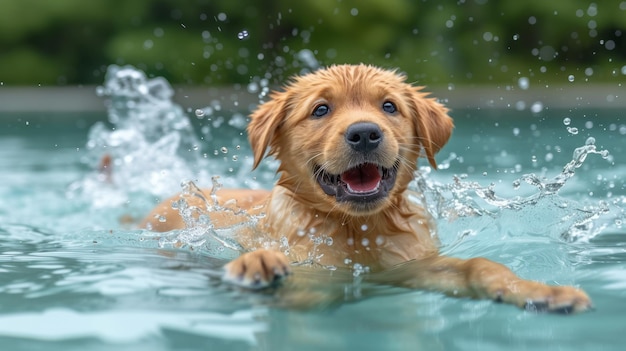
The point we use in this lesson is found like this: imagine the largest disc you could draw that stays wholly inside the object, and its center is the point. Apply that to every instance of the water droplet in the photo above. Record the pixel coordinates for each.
(536, 107)
(347, 261)
(364, 227)
(308, 58)
(243, 35)
(235, 158)
(328, 241)
(253, 88)
(523, 83)
(567, 121)
(380, 240)
(590, 141)
(365, 242)
(224, 150)
(199, 113)
(571, 78)
(517, 184)
(516, 131)
(592, 24)
(572, 130)
(604, 154)
(300, 232)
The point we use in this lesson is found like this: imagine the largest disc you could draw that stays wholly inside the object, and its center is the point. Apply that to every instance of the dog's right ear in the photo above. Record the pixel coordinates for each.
(264, 124)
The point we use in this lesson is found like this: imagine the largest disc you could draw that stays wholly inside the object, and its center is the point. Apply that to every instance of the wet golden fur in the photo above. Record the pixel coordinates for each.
(379, 234)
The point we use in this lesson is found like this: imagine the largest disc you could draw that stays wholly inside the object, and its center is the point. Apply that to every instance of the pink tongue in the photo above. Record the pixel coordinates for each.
(362, 179)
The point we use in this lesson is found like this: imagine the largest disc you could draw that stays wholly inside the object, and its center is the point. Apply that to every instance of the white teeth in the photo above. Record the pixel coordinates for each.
(362, 192)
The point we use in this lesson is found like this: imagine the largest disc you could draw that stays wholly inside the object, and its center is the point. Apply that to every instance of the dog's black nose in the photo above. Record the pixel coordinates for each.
(363, 136)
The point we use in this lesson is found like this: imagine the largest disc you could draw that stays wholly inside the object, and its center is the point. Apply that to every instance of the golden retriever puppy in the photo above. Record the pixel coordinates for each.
(348, 138)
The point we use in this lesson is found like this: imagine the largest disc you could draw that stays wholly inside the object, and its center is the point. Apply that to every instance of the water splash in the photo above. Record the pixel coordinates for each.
(198, 211)
(145, 105)
(465, 204)
(198, 208)
(578, 158)
(148, 145)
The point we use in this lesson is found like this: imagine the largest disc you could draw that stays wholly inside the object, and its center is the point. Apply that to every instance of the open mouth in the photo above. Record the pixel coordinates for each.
(364, 183)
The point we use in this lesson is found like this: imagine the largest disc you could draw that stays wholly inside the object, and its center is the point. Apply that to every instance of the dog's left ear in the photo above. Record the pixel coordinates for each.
(264, 124)
(432, 123)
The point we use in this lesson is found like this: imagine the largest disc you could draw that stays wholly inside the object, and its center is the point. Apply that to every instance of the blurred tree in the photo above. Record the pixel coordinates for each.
(225, 42)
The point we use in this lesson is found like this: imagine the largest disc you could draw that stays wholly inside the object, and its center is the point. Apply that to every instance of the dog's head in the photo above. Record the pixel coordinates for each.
(348, 137)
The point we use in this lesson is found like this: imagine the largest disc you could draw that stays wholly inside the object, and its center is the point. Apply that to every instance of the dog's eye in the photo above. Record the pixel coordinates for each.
(389, 107)
(321, 111)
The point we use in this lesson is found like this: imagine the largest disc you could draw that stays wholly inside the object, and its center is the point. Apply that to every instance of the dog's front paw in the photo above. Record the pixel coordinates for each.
(538, 297)
(559, 299)
(257, 269)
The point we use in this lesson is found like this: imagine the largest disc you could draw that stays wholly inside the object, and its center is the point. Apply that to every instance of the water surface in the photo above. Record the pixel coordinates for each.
(76, 275)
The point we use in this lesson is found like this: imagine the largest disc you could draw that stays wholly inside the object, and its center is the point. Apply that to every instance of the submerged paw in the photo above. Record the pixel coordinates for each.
(257, 270)
(561, 300)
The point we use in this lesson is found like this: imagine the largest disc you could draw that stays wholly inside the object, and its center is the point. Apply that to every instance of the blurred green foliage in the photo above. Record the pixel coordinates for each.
(215, 42)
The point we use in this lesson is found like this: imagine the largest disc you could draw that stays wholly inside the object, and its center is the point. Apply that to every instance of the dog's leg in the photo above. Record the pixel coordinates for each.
(484, 279)
(257, 269)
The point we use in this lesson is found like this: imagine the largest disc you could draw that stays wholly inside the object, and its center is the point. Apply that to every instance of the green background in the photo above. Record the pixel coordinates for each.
(201, 42)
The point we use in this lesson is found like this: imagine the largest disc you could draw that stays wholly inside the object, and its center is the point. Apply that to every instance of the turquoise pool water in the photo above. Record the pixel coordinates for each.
(77, 276)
